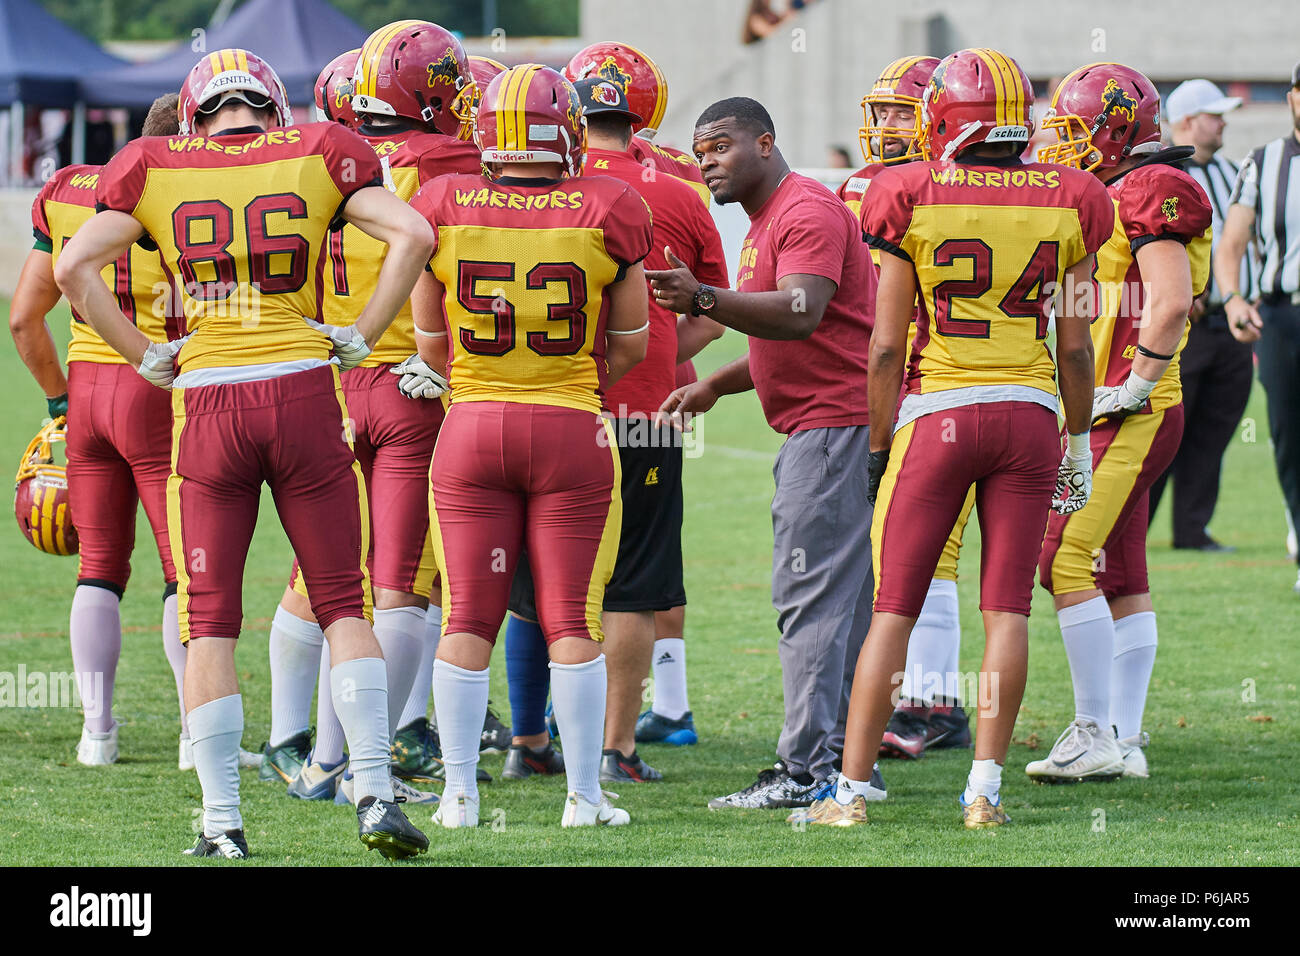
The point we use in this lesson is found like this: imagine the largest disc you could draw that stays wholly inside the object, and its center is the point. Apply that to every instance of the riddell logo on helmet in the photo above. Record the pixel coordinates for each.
(444, 68)
(1114, 99)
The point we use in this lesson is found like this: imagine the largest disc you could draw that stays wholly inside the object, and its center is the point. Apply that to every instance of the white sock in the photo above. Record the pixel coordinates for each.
(175, 651)
(360, 692)
(578, 695)
(1130, 671)
(215, 730)
(669, 672)
(933, 648)
(400, 633)
(328, 747)
(417, 701)
(984, 781)
(460, 699)
(1089, 636)
(846, 789)
(95, 632)
(295, 660)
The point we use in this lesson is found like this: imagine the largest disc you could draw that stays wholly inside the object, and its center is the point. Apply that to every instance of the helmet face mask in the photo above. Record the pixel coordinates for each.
(482, 70)
(1102, 114)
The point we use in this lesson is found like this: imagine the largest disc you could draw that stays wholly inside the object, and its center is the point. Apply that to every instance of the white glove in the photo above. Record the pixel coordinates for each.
(1074, 477)
(158, 366)
(1120, 401)
(418, 380)
(350, 347)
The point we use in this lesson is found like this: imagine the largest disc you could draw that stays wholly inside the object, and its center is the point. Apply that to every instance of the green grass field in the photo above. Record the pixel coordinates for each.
(1222, 713)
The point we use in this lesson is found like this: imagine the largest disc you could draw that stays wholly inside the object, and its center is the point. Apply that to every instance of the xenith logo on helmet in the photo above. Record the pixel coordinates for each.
(1114, 99)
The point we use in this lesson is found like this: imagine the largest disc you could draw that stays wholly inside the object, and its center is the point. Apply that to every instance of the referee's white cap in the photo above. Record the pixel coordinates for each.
(1197, 96)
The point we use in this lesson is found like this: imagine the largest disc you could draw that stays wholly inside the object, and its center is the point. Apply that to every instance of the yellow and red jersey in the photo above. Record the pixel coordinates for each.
(990, 243)
(854, 188)
(524, 265)
(241, 220)
(136, 279)
(673, 162)
(1151, 202)
(412, 159)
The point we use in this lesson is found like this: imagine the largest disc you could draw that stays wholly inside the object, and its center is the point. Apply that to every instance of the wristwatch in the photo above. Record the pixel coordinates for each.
(705, 299)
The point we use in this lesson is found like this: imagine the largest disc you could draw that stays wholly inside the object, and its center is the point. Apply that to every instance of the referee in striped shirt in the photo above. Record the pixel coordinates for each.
(1266, 205)
(1216, 368)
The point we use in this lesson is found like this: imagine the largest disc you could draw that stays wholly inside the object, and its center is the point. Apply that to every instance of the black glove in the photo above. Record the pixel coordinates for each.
(877, 461)
(58, 406)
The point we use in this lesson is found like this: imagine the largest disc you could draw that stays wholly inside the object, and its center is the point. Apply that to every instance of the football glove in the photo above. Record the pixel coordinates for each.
(350, 347)
(1073, 484)
(877, 461)
(1120, 401)
(58, 406)
(158, 367)
(418, 380)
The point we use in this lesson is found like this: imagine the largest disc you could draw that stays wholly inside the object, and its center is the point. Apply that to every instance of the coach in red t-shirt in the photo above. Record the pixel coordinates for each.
(804, 295)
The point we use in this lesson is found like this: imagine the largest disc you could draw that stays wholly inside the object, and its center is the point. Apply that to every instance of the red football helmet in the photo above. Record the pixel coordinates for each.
(334, 90)
(228, 74)
(413, 69)
(902, 82)
(41, 494)
(1102, 113)
(975, 96)
(632, 72)
(531, 114)
(482, 70)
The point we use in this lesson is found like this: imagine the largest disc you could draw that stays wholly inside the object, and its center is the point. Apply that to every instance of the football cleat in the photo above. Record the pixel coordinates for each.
(875, 794)
(316, 781)
(523, 762)
(401, 790)
(948, 728)
(231, 845)
(983, 813)
(285, 760)
(830, 812)
(416, 755)
(652, 728)
(1083, 752)
(773, 788)
(456, 813)
(552, 725)
(383, 826)
(905, 733)
(1132, 752)
(579, 813)
(495, 738)
(617, 768)
(97, 750)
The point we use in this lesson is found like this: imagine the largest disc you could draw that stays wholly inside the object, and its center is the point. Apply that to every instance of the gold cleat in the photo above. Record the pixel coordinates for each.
(829, 812)
(983, 814)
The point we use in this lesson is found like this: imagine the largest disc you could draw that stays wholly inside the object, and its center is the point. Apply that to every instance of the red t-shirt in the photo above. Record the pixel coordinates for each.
(820, 381)
(680, 221)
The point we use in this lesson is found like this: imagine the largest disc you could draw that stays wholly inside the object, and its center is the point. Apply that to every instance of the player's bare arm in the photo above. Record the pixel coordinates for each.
(1243, 318)
(895, 304)
(627, 331)
(430, 327)
(35, 295)
(1074, 352)
(100, 241)
(381, 215)
(1168, 277)
(694, 332)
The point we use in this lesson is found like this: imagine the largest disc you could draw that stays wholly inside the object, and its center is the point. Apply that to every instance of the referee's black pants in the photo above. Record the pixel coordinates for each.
(1217, 372)
(1278, 350)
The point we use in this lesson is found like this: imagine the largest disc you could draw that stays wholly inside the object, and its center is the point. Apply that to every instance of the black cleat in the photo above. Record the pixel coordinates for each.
(948, 728)
(230, 845)
(495, 738)
(522, 762)
(616, 768)
(284, 761)
(384, 827)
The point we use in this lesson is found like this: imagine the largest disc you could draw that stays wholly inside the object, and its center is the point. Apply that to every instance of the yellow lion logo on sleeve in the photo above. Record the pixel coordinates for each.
(1170, 208)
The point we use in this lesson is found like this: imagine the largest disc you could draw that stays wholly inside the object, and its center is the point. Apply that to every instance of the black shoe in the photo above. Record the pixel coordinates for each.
(773, 788)
(384, 827)
(905, 734)
(284, 761)
(415, 753)
(522, 762)
(231, 845)
(1209, 545)
(496, 735)
(439, 772)
(948, 728)
(616, 768)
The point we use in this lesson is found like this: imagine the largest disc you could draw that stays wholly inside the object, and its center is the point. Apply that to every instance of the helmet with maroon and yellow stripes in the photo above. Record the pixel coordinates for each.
(531, 114)
(41, 502)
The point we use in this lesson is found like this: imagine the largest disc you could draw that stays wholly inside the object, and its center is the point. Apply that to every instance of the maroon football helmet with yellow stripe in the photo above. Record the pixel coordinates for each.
(236, 73)
(975, 96)
(531, 114)
(1102, 114)
(334, 89)
(632, 72)
(41, 502)
(412, 69)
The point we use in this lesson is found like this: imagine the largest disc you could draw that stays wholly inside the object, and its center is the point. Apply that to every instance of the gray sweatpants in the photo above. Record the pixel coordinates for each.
(821, 586)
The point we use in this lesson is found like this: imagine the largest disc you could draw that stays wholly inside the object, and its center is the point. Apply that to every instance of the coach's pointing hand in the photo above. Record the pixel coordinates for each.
(685, 402)
(674, 288)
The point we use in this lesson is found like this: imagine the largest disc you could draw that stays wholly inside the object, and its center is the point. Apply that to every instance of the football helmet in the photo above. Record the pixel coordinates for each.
(334, 90)
(41, 502)
(482, 71)
(1102, 113)
(901, 83)
(412, 69)
(231, 74)
(531, 114)
(632, 72)
(975, 96)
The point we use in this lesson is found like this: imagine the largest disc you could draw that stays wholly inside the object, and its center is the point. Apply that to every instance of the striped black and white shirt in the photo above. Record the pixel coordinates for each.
(1217, 178)
(1269, 183)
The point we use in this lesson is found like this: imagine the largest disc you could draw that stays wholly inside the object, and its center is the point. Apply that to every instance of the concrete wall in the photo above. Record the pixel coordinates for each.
(15, 235)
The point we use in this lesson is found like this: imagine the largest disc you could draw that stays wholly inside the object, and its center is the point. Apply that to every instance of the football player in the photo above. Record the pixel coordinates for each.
(981, 399)
(241, 209)
(538, 303)
(1107, 121)
(929, 714)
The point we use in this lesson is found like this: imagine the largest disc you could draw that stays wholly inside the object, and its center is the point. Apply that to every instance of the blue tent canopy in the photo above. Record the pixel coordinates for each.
(297, 37)
(42, 60)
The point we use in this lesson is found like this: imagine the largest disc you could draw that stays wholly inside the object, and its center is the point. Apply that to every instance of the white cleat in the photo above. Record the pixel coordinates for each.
(1083, 752)
(400, 789)
(1131, 752)
(97, 750)
(458, 812)
(579, 813)
(1292, 545)
(185, 757)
